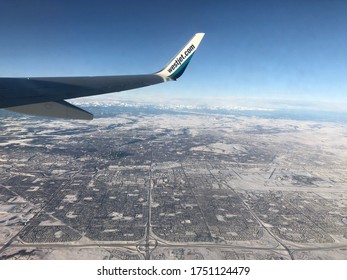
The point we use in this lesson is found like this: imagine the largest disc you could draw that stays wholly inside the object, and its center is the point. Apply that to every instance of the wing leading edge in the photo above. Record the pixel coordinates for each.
(46, 96)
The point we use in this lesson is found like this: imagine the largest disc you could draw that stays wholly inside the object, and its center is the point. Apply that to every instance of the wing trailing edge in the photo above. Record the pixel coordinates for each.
(60, 109)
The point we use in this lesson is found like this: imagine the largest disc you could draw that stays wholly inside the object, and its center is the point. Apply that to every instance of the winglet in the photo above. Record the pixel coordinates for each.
(179, 63)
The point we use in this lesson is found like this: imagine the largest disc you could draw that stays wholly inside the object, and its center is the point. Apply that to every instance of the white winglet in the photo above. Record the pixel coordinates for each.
(178, 64)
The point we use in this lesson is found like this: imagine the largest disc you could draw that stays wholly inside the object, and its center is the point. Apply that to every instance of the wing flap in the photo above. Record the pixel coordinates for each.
(59, 109)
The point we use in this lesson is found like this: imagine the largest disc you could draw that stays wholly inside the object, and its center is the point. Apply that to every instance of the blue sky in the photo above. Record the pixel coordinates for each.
(252, 49)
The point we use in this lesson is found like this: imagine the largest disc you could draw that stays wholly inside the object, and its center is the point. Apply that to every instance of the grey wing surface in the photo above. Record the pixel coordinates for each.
(23, 91)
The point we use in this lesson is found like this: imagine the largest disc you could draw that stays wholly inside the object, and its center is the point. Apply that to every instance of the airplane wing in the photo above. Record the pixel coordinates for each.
(46, 96)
